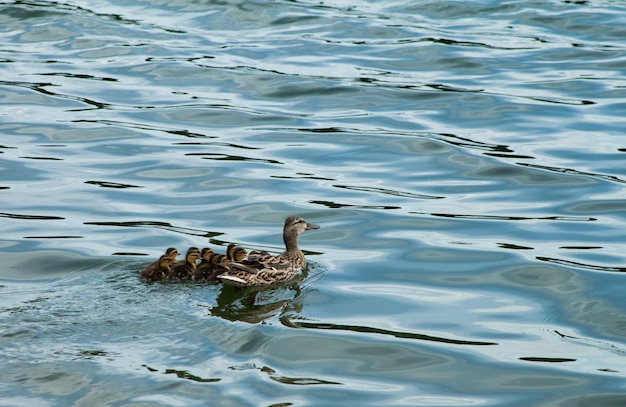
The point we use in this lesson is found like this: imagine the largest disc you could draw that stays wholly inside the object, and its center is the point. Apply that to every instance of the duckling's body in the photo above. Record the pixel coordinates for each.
(260, 268)
(157, 270)
(184, 270)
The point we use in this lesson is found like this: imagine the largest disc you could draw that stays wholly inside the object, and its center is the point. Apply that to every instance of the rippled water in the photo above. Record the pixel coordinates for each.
(465, 162)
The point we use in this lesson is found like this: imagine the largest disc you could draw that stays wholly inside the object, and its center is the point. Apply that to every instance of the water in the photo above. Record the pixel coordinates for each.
(465, 162)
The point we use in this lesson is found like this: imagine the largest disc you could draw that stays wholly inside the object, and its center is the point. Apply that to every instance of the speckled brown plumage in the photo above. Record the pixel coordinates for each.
(260, 268)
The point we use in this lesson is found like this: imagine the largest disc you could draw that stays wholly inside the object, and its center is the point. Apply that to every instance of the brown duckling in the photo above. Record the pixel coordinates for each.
(260, 268)
(205, 271)
(235, 253)
(184, 270)
(221, 264)
(218, 265)
(205, 256)
(172, 253)
(157, 270)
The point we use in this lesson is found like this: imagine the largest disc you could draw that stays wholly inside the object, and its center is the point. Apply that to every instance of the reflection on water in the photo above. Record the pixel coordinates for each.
(365, 329)
(464, 159)
(254, 305)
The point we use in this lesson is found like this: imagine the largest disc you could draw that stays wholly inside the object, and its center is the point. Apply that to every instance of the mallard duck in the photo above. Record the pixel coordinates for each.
(184, 270)
(259, 268)
(235, 253)
(157, 270)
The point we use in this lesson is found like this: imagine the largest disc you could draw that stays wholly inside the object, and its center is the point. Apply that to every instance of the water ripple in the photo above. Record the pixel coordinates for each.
(364, 329)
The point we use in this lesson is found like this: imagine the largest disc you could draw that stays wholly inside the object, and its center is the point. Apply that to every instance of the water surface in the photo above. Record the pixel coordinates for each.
(464, 161)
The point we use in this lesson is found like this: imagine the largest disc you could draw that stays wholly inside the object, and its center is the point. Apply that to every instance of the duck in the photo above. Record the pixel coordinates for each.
(260, 268)
(172, 253)
(184, 269)
(157, 270)
(205, 256)
(221, 264)
(205, 271)
(235, 253)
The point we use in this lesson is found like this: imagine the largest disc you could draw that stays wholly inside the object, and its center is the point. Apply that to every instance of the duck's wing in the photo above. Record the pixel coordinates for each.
(235, 267)
(253, 262)
(257, 256)
(261, 259)
(233, 280)
(258, 261)
(264, 277)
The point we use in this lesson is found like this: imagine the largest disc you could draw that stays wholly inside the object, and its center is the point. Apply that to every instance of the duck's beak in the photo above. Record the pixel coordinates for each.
(310, 226)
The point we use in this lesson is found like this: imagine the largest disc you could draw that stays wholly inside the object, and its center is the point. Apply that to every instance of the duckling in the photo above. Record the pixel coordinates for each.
(221, 264)
(184, 270)
(259, 268)
(235, 253)
(157, 270)
(205, 256)
(172, 253)
(205, 271)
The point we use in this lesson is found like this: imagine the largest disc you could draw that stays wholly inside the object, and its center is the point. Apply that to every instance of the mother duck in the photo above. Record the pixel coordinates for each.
(259, 268)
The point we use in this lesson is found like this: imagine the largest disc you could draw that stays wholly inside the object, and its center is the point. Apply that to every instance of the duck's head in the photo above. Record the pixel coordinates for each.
(171, 252)
(296, 225)
(165, 261)
(206, 253)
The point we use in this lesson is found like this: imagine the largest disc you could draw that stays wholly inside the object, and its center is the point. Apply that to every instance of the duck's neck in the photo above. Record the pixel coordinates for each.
(291, 242)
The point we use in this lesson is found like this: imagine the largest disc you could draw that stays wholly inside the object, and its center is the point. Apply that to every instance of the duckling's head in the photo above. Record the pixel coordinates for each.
(165, 261)
(238, 254)
(193, 253)
(221, 260)
(171, 252)
(206, 252)
(213, 258)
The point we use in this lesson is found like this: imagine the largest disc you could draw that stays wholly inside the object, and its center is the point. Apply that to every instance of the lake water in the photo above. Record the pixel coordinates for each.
(465, 161)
